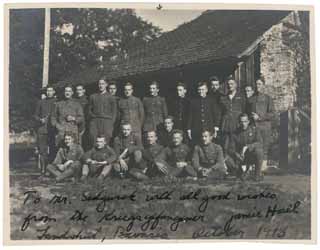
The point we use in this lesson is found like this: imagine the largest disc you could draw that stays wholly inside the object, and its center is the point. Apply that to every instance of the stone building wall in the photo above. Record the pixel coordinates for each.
(277, 64)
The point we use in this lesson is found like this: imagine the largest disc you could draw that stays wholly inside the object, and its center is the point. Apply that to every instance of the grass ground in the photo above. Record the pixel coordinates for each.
(206, 215)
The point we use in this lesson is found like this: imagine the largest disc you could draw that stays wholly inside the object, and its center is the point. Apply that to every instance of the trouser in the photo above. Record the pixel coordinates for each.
(265, 131)
(95, 170)
(71, 171)
(173, 171)
(43, 152)
(100, 126)
(128, 163)
(251, 157)
(218, 171)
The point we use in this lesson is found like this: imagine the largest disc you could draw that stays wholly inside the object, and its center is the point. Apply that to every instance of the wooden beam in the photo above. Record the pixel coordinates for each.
(45, 73)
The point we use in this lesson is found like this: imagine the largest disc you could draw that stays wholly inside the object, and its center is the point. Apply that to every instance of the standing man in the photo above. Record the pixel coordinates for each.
(83, 100)
(203, 114)
(215, 89)
(102, 112)
(244, 147)
(155, 108)
(67, 161)
(260, 109)
(112, 89)
(67, 116)
(179, 108)
(232, 105)
(131, 110)
(45, 132)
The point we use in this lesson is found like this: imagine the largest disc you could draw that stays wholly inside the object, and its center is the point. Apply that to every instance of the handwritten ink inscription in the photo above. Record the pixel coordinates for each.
(165, 214)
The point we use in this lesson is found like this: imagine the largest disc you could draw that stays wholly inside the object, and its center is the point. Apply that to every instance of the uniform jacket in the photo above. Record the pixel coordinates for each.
(155, 109)
(131, 110)
(231, 109)
(132, 143)
(103, 154)
(83, 100)
(207, 156)
(64, 154)
(102, 106)
(174, 154)
(43, 110)
(250, 137)
(152, 152)
(203, 113)
(62, 110)
(216, 96)
(179, 109)
(261, 104)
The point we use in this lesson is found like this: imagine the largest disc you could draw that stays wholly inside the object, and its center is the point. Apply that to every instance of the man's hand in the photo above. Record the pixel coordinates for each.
(255, 116)
(206, 171)
(124, 153)
(123, 165)
(215, 133)
(244, 150)
(67, 163)
(43, 120)
(61, 167)
(162, 168)
(181, 164)
(189, 134)
(89, 161)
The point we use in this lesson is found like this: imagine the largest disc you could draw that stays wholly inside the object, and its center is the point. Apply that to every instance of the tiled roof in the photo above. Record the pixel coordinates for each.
(215, 35)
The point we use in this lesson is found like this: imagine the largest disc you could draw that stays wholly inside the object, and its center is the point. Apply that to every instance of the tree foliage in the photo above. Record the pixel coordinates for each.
(79, 38)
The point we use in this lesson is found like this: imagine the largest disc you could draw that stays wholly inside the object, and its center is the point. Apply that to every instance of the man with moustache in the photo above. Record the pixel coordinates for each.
(67, 116)
(45, 133)
(131, 110)
(203, 114)
(260, 109)
(102, 112)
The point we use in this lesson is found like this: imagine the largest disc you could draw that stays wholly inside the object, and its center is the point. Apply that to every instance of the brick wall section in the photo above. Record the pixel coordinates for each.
(277, 65)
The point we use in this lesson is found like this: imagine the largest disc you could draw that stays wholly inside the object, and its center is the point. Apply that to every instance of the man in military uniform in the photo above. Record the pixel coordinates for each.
(176, 158)
(203, 114)
(131, 110)
(98, 160)
(208, 158)
(179, 108)
(128, 147)
(232, 105)
(45, 132)
(215, 89)
(67, 162)
(260, 109)
(112, 89)
(166, 132)
(102, 112)
(83, 100)
(148, 165)
(244, 148)
(155, 108)
(67, 116)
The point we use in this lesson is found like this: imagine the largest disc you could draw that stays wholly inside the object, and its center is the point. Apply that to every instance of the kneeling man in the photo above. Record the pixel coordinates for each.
(67, 161)
(175, 158)
(208, 159)
(128, 147)
(98, 161)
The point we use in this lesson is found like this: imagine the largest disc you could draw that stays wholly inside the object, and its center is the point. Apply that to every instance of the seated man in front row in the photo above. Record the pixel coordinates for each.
(67, 161)
(208, 158)
(244, 147)
(128, 147)
(98, 161)
(175, 158)
(145, 168)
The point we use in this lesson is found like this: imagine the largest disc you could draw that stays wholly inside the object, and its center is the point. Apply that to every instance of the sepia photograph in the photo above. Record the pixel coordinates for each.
(159, 122)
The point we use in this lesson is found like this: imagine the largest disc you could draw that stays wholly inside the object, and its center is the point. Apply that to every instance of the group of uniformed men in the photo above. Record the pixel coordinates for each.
(211, 136)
